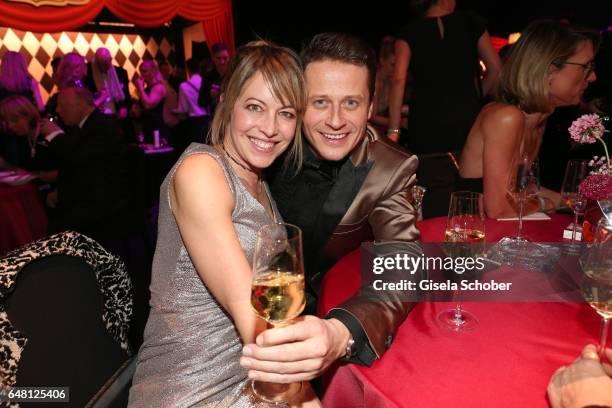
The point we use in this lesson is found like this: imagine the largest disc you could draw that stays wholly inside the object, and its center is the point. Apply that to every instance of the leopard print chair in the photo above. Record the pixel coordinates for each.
(65, 310)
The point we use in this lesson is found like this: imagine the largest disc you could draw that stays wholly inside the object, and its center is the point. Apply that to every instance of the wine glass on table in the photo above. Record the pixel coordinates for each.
(277, 292)
(575, 172)
(465, 235)
(523, 185)
(596, 266)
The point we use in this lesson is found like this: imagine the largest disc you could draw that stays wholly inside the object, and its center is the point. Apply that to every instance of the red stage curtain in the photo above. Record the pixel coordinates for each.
(46, 18)
(220, 29)
(215, 14)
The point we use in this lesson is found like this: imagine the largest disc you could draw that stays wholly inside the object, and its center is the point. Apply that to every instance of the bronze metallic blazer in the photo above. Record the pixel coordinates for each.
(381, 211)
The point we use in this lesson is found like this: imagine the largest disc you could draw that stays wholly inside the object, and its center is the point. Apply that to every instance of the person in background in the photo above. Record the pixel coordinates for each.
(71, 71)
(382, 87)
(109, 84)
(152, 93)
(550, 66)
(195, 123)
(441, 50)
(110, 87)
(54, 65)
(214, 200)
(92, 183)
(173, 76)
(15, 79)
(43, 137)
(211, 82)
(585, 383)
(354, 186)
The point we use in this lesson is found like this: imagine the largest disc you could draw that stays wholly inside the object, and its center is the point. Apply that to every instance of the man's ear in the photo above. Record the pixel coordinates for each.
(221, 98)
(371, 109)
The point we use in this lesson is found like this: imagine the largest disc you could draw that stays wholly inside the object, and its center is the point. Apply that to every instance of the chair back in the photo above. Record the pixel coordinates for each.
(56, 302)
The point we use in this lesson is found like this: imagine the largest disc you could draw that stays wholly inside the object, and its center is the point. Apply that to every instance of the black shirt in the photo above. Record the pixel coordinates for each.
(300, 198)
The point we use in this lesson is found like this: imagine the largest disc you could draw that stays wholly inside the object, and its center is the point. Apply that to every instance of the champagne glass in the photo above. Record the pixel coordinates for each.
(277, 291)
(465, 230)
(596, 266)
(575, 172)
(523, 184)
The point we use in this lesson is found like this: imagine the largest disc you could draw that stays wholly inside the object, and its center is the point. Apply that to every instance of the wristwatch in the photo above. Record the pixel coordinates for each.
(349, 352)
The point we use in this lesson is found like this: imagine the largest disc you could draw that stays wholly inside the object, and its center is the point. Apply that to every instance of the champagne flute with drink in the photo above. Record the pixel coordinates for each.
(465, 235)
(277, 291)
(596, 266)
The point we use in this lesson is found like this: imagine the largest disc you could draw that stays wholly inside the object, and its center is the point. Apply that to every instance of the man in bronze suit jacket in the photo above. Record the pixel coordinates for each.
(353, 186)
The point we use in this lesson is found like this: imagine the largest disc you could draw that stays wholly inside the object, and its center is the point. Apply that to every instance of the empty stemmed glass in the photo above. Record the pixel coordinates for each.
(575, 172)
(596, 266)
(277, 291)
(523, 184)
(465, 233)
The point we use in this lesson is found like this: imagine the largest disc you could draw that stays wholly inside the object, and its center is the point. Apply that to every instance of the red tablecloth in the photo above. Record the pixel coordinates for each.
(506, 362)
(22, 216)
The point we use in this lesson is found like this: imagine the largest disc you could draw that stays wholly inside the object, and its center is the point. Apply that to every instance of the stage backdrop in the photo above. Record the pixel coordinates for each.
(31, 15)
(127, 50)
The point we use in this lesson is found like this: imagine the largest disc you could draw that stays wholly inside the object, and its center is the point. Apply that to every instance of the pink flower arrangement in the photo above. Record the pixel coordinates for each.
(598, 185)
(587, 128)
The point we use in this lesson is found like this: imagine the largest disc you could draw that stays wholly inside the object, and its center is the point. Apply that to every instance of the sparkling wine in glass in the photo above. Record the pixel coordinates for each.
(596, 284)
(465, 231)
(575, 172)
(277, 291)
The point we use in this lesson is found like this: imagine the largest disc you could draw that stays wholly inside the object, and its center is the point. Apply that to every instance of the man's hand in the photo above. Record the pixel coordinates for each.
(585, 382)
(298, 352)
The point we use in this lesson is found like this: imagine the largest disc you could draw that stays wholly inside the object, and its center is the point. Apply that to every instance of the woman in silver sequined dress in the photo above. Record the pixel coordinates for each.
(212, 203)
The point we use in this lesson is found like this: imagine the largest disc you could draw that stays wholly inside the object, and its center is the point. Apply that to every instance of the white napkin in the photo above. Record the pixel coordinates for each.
(536, 216)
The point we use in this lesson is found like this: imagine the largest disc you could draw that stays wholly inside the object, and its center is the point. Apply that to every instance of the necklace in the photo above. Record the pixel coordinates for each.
(32, 141)
(240, 164)
(232, 158)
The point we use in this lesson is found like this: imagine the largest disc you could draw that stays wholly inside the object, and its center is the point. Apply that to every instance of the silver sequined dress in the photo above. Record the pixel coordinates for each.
(191, 350)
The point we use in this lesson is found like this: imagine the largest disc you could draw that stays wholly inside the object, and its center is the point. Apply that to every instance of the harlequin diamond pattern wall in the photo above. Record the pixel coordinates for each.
(128, 50)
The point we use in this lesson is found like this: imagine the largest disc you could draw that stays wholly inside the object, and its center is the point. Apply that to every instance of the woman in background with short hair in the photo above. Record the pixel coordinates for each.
(550, 66)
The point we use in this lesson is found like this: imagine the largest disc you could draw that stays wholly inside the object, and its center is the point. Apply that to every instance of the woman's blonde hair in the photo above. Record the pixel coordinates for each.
(17, 105)
(543, 45)
(282, 72)
(71, 70)
(14, 74)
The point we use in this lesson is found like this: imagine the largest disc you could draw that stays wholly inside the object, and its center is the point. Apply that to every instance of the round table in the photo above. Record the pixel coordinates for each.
(22, 214)
(506, 361)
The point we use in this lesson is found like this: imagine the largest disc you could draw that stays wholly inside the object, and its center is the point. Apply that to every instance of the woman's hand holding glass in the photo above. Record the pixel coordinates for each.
(277, 291)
